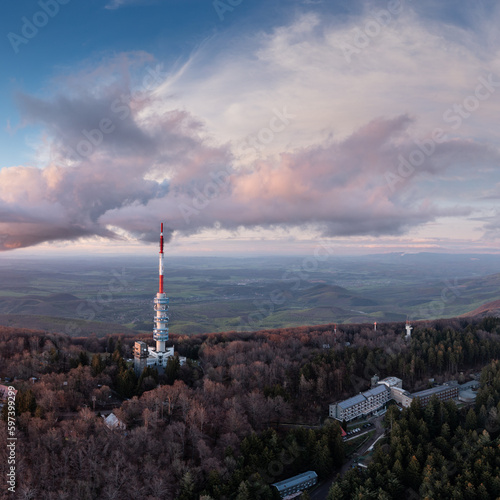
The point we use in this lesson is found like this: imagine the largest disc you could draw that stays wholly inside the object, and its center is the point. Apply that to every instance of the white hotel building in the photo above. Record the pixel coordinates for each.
(362, 404)
(392, 388)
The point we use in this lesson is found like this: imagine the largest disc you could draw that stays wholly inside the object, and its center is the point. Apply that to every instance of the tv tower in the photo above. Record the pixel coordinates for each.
(160, 332)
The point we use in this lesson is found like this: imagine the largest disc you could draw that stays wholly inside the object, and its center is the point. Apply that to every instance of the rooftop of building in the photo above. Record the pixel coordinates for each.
(359, 398)
(169, 351)
(467, 396)
(375, 391)
(348, 403)
(295, 480)
(113, 422)
(469, 385)
(401, 390)
(432, 390)
(391, 381)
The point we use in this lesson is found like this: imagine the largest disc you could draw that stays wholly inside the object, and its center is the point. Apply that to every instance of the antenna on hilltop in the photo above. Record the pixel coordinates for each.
(409, 328)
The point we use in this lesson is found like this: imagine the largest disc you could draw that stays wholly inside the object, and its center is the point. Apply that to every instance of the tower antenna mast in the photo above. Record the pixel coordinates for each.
(161, 260)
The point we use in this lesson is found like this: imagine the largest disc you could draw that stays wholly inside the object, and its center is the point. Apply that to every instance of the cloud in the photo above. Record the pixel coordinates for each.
(162, 166)
(412, 65)
(340, 187)
(126, 154)
(104, 156)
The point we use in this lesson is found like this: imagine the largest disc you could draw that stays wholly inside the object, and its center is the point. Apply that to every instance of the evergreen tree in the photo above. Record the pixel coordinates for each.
(172, 369)
(83, 358)
(126, 383)
(188, 487)
(471, 420)
(335, 493)
(243, 492)
(97, 364)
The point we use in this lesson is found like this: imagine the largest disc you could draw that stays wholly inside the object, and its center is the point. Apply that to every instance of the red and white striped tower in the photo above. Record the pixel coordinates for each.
(161, 259)
(160, 332)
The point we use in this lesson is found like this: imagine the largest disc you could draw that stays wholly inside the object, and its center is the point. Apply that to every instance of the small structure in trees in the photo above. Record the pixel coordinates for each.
(113, 422)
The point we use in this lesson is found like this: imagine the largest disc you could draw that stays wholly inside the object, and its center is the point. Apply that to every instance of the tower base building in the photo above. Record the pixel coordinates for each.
(145, 356)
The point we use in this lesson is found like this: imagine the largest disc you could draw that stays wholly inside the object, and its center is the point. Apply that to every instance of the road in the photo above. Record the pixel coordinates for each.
(321, 492)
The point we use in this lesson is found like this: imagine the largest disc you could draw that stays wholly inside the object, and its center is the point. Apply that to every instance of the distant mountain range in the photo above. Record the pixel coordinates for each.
(209, 295)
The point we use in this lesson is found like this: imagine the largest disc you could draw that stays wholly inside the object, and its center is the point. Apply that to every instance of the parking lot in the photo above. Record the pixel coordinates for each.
(358, 430)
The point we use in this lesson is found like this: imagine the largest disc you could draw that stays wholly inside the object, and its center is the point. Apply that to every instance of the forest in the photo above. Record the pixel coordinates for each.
(435, 452)
(247, 410)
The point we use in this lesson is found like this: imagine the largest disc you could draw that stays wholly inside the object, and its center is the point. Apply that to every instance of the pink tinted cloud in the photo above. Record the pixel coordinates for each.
(160, 165)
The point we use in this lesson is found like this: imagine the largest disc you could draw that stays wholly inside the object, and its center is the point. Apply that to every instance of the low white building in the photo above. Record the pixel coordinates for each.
(392, 388)
(404, 398)
(362, 404)
(395, 385)
(442, 392)
(145, 356)
(113, 422)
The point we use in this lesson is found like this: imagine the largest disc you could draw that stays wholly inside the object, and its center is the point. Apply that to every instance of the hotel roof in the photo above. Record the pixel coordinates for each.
(468, 385)
(359, 398)
(401, 390)
(433, 390)
(376, 390)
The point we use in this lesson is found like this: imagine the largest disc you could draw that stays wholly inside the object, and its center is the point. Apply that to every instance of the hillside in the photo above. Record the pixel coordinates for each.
(210, 295)
(71, 327)
(488, 309)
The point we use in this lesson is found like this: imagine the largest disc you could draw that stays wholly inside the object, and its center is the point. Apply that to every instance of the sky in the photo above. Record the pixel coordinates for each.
(249, 127)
